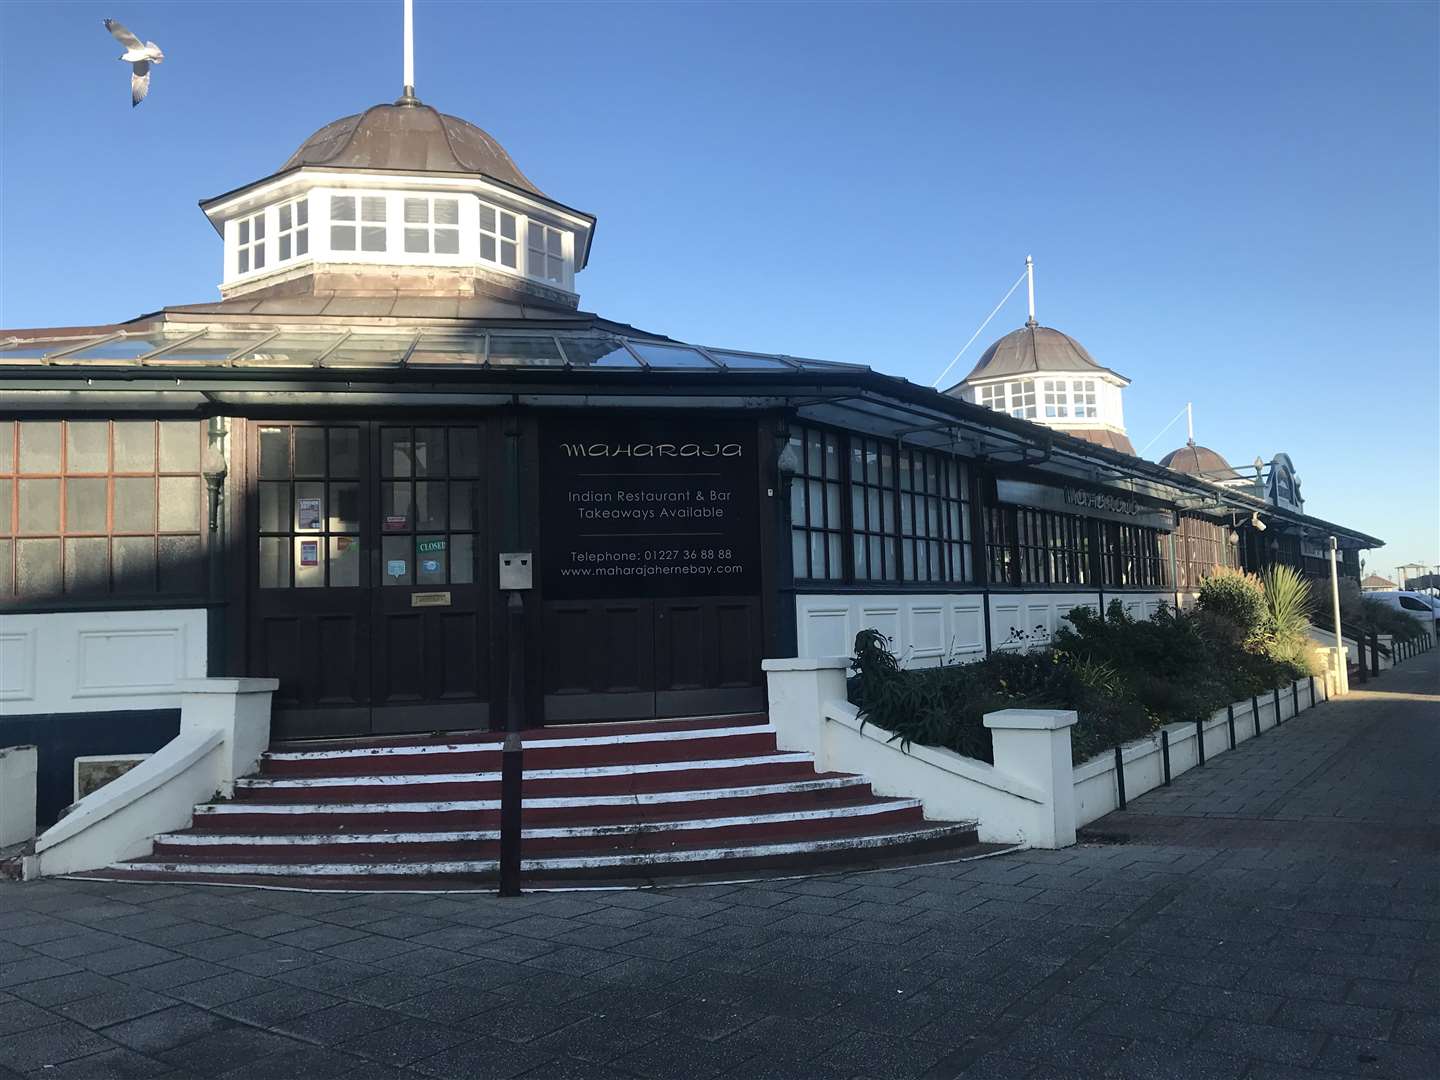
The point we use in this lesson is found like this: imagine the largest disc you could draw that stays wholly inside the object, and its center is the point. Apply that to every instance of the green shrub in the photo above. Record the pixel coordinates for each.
(1285, 636)
(1123, 676)
(1236, 596)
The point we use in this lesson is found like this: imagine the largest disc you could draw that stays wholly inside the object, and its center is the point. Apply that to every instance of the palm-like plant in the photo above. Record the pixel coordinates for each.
(1288, 603)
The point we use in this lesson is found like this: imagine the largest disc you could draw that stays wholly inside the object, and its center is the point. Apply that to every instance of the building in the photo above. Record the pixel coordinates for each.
(1376, 583)
(315, 478)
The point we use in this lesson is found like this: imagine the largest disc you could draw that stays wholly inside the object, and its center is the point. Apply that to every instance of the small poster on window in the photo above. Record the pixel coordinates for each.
(309, 552)
(307, 513)
(396, 522)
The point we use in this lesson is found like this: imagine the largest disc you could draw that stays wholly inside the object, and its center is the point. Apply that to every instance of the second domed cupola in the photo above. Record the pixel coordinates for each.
(402, 198)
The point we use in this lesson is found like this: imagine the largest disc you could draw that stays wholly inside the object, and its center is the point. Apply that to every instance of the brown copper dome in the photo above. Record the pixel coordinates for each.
(412, 138)
(1033, 348)
(1199, 461)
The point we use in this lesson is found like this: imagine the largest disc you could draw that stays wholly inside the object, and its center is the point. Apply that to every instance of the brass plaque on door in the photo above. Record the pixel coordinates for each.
(430, 599)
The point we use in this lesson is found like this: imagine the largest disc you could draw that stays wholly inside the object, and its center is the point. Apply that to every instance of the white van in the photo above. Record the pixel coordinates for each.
(1417, 605)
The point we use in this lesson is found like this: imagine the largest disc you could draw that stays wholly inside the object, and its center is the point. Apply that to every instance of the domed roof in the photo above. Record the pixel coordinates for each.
(1033, 348)
(413, 138)
(1199, 461)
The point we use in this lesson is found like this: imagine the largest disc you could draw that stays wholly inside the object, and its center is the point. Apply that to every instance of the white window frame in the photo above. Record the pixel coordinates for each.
(430, 231)
(549, 256)
(250, 243)
(1057, 399)
(364, 226)
(1022, 399)
(295, 235)
(993, 397)
(496, 235)
(1083, 401)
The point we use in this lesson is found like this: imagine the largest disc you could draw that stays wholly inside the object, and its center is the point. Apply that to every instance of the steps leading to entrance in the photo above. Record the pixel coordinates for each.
(610, 802)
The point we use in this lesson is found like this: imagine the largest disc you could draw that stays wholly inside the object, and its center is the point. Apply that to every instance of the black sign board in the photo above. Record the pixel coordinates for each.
(1110, 505)
(648, 507)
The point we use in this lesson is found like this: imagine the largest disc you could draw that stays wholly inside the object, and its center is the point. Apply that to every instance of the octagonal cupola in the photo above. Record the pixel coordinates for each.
(1041, 374)
(400, 198)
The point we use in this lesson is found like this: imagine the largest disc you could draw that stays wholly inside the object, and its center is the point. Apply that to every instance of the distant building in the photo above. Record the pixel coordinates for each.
(1376, 583)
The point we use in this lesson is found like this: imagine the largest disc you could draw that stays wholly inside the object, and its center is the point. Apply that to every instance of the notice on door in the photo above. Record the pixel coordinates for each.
(649, 508)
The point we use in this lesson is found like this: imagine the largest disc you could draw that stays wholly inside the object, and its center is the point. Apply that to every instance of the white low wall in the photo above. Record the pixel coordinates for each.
(1033, 794)
(1029, 620)
(1096, 790)
(98, 661)
(224, 727)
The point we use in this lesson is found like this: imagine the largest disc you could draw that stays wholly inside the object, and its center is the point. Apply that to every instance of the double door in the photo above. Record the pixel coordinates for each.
(370, 575)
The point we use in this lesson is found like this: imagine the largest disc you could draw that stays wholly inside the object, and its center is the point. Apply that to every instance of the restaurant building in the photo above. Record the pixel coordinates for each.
(315, 476)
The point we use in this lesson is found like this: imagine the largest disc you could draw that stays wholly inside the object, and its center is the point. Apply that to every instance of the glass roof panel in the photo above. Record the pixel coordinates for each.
(211, 349)
(669, 356)
(449, 349)
(125, 348)
(598, 352)
(289, 350)
(749, 361)
(513, 351)
(34, 348)
(371, 350)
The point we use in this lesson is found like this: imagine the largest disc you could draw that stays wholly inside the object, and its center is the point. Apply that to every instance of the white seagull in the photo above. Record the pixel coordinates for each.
(139, 55)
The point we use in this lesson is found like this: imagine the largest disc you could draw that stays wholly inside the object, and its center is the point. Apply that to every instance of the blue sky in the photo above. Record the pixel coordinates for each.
(1233, 204)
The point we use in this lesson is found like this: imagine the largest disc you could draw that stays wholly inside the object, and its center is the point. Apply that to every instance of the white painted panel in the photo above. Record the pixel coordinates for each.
(927, 632)
(825, 632)
(99, 661)
(1029, 620)
(17, 664)
(967, 626)
(129, 660)
(886, 619)
(924, 629)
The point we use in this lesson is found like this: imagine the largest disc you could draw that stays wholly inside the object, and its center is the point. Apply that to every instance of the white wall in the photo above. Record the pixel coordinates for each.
(1029, 620)
(98, 661)
(926, 628)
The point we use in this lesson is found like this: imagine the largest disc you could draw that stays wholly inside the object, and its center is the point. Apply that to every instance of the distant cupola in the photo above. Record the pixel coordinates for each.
(1041, 374)
(401, 198)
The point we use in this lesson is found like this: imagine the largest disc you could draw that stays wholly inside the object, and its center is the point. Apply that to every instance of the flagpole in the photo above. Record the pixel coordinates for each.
(409, 84)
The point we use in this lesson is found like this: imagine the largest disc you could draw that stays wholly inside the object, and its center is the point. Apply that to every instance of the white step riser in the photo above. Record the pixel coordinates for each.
(590, 772)
(556, 802)
(442, 868)
(628, 829)
(415, 750)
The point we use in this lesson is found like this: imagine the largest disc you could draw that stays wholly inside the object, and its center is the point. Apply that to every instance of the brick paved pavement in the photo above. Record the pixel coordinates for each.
(1297, 935)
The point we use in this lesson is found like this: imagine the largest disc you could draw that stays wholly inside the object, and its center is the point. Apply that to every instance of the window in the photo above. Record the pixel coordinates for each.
(993, 397)
(432, 225)
(499, 236)
(815, 514)
(1056, 401)
(872, 508)
(545, 253)
(250, 244)
(96, 508)
(934, 519)
(1134, 556)
(1082, 397)
(357, 214)
(906, 517)
(1200, 548)
(1022, 399)
(292, 234)
(431, 505)
(1037, 547)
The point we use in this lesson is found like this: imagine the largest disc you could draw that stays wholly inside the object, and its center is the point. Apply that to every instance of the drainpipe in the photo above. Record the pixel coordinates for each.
(214, 469)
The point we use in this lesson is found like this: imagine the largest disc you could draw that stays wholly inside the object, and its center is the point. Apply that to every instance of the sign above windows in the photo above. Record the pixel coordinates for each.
(1087, 502)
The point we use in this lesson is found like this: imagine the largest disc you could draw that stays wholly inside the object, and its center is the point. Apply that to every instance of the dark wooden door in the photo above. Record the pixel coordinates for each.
(430, 609)
(310, 607)
(370, 576)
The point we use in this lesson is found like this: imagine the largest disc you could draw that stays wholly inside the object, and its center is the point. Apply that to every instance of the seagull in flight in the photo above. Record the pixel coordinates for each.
(139, 55)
